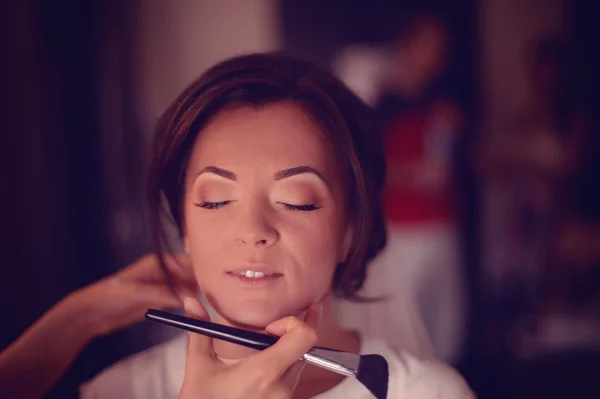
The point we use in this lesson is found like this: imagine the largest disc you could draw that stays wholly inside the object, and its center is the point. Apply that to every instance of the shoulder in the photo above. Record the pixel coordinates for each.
(432, 379)
(154, 373)
(416, 378)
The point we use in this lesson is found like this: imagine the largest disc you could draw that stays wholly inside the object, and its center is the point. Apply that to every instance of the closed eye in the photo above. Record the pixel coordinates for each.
(301, 208)
(212, 205)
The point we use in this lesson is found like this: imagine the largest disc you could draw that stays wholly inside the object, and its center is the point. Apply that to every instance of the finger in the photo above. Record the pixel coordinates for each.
(292, 376)
(148, 268)
(179, 264)
(297, 339)
(151, 295)
(201, 353)
(128, 301)
(313, 319)
(178, 260)
(279, 391)
(144, 269)
(313, 316)
(185, 290)
(181, 272)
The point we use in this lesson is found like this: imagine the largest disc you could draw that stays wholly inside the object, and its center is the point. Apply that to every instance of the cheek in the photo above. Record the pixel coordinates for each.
(205, 243)
(316, 245)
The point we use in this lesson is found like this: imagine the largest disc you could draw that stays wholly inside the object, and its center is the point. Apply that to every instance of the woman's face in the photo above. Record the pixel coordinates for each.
(264, 213)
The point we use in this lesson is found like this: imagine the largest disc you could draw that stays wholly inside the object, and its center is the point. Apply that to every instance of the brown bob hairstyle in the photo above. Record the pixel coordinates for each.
(257, 80)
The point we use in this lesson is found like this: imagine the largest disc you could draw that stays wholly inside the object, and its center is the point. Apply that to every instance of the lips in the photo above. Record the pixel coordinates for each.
(254, 275)
(250, 270)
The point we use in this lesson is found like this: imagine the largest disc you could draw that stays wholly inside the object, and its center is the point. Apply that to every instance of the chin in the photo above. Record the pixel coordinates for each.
(255, 314)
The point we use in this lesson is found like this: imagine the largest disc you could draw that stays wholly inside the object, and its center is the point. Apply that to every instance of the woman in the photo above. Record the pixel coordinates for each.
(269, 169)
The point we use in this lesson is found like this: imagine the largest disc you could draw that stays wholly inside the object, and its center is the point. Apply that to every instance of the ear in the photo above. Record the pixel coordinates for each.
(346, 243)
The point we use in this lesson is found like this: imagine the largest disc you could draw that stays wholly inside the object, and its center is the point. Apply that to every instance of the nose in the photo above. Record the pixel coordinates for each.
(255, 227)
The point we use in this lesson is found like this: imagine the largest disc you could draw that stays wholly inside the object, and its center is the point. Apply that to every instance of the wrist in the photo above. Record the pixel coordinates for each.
(78, 313)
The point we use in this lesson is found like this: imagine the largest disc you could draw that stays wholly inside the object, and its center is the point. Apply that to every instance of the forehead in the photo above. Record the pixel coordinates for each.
(275, 136)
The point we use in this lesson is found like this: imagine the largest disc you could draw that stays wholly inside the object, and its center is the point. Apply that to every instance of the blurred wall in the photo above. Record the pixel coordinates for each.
(507, 27)
(178, 40)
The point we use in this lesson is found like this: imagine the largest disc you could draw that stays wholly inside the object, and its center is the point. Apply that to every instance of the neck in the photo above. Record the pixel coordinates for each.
(329, 333)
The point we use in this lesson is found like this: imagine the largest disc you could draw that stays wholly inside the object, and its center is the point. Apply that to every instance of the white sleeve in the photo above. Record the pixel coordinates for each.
(156, 373)
(115, 382)
(104, 388)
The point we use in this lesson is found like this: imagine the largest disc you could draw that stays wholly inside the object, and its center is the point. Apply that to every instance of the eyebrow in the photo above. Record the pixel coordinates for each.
(219, 172)
(298, 170)
(282, 174)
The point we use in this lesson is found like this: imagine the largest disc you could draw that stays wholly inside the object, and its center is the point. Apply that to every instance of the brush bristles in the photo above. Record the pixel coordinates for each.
(373, 373)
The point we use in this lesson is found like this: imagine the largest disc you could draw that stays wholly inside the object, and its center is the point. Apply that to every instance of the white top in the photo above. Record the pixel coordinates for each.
(157, 373)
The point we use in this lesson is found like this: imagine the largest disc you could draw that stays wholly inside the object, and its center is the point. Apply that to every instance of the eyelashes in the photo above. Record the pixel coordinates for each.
(212, 205)
(300, 208)
(289, 207)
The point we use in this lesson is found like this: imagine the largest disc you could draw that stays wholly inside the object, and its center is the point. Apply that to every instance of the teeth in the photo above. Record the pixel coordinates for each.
(252, 274)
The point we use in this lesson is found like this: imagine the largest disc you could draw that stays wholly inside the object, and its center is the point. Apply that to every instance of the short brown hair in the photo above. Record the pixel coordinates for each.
(256, 80)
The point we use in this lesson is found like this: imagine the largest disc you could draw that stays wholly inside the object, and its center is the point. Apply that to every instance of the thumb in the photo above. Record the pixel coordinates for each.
(313, 319)
(313, 316)
(296, 338)
(200, 348)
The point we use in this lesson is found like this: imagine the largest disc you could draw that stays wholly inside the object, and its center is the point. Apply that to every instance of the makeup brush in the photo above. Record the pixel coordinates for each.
(370, 370)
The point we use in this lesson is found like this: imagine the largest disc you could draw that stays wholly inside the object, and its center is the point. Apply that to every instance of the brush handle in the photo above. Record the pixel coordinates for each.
(234, 335)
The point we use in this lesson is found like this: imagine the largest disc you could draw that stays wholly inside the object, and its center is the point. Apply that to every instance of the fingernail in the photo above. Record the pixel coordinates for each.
(192, 307)
(318, 309)
(184, 292)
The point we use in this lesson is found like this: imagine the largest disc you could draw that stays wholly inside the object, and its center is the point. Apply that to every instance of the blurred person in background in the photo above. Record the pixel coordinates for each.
(420, 270)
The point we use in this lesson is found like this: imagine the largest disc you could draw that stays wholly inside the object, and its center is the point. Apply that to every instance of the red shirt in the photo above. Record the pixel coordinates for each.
(410, 143)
